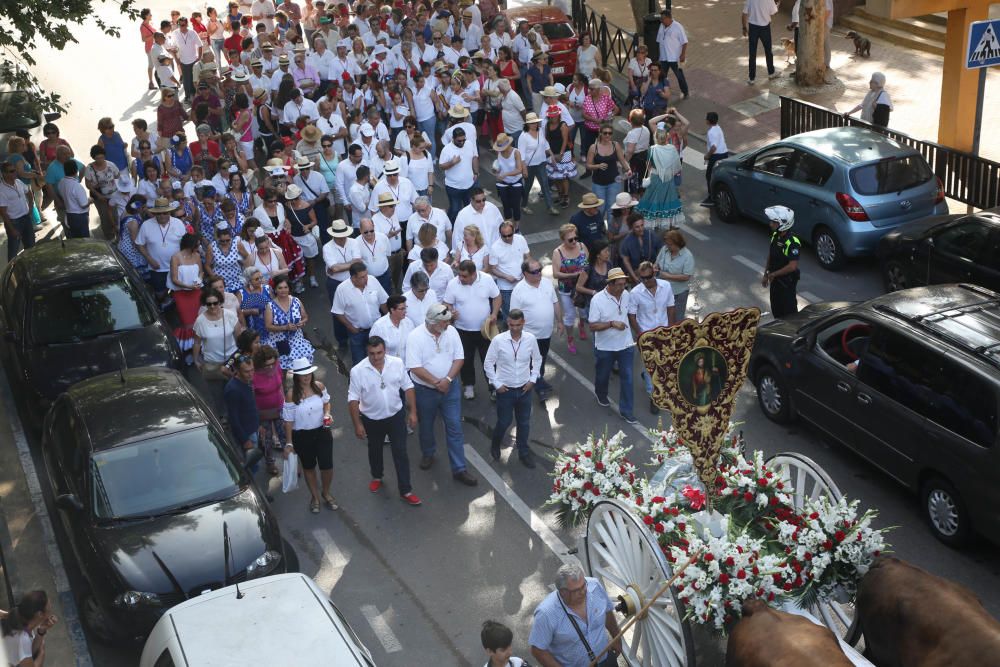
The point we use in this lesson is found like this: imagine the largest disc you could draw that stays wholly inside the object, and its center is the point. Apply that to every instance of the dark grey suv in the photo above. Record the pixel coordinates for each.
(910, 381)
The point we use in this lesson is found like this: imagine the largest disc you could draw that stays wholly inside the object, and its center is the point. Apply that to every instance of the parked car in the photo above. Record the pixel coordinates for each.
(848, 186)
(910, 381)
(156, 503)
(19, 110)
(191, 633)
(558, 28)
(946, 249)
(73, 309)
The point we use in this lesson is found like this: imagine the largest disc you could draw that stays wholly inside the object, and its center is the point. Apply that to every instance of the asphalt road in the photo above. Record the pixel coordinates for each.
(419, 581)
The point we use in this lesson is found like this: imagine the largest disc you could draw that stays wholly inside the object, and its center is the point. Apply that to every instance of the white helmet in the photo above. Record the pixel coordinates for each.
(784, 216)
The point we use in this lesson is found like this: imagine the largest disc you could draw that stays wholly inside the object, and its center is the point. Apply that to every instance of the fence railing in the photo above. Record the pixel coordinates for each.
(967, 178)
(616, 44)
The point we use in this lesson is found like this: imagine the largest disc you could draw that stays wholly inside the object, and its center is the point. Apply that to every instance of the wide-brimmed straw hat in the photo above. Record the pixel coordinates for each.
(624, 200)
(590, 200)
(163, 205)
(503, 141)
(386, 199)
(616, 274)
(458, 111)
(303, 366)
(339, 229)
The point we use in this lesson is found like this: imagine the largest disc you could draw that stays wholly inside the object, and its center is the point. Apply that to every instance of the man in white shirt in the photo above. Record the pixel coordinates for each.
(460, 162)
(344, 66)
(424, 213)
(673, 43)
(394, 327)
(373, 246)
(357, 304)
(374, 401)
(756, 19)
(299, 106)
(481, 213)
(459, 117)
(15, 210)
(511, 110)
(359, 195)
(387, 223)
(400, 187)
(438, 273)
(434, 358)
(550, 98)
(512, 365)
(188, 45)
(320, 59)
(523, 51)
(471, 33)
(346, 177)
(507, 253)
(158, 240)
(651, 306)
(536, 298)
(76, 202)
(474, 300)
(263, 11)
(332, 125)
(338, 255)
(419, 297)
(717, 150)
(613, 342)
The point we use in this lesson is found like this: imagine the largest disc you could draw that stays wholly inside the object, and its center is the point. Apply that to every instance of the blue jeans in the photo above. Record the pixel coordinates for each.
(339, 330)
(605, 359)
(429, 126)
(78, 225)
(673, 65)
(431, 402)
(510, 404)
(608, 194)
(385, 280)
(358, 342)
(537, 171)
(457, 200)
(26, 238)
(505, 303)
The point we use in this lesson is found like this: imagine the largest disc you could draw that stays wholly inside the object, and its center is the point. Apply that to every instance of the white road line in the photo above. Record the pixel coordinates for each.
(753, 266)
(70, 614)
(381, 628)
(810, 297)
(690, 231)
(335, 560)
(542, 237)
(535, 523)
(694, 159)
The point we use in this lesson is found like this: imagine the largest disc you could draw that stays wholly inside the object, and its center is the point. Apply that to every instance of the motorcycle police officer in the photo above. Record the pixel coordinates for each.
(782, 267)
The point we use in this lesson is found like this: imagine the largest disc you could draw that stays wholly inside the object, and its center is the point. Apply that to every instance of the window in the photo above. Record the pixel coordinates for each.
(164, 660)
(899, 368)
(962, 402)
(557, 30)
(8, 295)
(78, 313)
(963, 240)
(18, 111)
(774, 161)
(811, 169)
(893, 174)
(845, 340)
(64, 443)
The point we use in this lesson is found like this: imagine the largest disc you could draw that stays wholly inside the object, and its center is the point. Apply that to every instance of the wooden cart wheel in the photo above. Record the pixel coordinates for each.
(811, 482)
(623, 554)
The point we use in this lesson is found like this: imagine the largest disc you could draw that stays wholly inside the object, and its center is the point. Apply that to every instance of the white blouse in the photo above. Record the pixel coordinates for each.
(307, 414)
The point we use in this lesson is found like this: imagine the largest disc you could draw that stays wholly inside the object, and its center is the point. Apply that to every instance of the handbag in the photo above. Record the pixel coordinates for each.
(646, 179)
(290, 473)
(581, 300)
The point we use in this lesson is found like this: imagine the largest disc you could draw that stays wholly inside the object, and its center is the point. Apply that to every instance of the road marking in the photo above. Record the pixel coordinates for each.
(542, 237)
(71, 616)
(753, 266)
(690, 231)
(381, 628)
(335, 560)
(809, 297)
(692, 158)
(535, 523)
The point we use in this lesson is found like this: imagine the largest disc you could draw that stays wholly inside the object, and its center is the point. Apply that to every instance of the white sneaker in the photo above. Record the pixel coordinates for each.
(312, 281)
(470, 393)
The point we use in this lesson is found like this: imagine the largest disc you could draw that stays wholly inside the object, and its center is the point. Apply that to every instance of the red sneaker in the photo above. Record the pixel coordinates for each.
(412, 500)
(375, 485)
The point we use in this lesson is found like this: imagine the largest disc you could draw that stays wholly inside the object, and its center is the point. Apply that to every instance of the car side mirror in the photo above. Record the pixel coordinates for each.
(52, 116)
(800, 344)
(929, 241)
(69, 502)
(253, 457)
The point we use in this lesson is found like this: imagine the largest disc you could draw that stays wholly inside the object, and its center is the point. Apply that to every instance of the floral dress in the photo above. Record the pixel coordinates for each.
(230, 266)
(298, 346)
(259, 301)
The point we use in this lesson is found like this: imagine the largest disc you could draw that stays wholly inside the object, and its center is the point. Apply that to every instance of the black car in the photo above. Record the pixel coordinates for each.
(73, 309)
(943, 249)
(910, 381)
(157, 504)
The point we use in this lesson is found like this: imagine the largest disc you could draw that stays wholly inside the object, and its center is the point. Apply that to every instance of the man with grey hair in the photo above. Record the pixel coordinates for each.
(434, 358)
(512, 363)
(511, 110)
(572, 624)
(419, 298)
(424, 212)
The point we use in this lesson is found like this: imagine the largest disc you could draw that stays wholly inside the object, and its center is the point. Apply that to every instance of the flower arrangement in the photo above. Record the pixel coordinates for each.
(600, 469)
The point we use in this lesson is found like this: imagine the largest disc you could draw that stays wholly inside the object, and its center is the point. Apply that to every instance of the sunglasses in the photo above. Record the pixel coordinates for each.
(211, 303)
(507, 236)
(370, 231)
(571, 240)
(535, 272)
(270, 201)
(326, 145)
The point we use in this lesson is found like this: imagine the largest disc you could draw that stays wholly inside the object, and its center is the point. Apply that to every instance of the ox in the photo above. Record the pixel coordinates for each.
(766, 637)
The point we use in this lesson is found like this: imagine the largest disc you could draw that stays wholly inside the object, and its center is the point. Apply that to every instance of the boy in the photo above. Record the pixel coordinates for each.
(165, 72)
(497, 639)
(717, 150)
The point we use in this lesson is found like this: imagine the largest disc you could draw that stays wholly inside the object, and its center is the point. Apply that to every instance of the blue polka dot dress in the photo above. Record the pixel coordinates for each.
(300, 347)
(230, 266)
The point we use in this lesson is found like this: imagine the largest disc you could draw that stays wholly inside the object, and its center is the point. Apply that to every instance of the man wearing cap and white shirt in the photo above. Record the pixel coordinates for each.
(338, 255)
(460, 162)
(283, 63)
(475, 301)
(458, 117)
(512, 364)
(315, 192)
(343, 65)
(471, 32)
(387, 223)
(158, 240)
(511, 110)
(613, 342)
(374, 120)
(431, 265)
(536, 298)
(357, 304)
(374, 250)
(550, 98)
(506, 255)
(258, 77)
(374, 399)
(481, 213)
(651, 305)
(393, 327)
(368, 145)
(425, 213)
(399, 187)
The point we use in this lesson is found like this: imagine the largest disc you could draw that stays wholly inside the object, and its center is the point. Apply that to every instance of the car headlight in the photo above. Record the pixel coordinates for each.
(135, 599)
(264, 564)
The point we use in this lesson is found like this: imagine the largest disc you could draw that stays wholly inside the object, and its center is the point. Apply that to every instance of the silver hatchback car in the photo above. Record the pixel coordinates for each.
(848, 186)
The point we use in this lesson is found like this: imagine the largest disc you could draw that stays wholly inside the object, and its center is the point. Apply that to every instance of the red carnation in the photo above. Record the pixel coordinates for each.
(588, 485)
(596, 491)
(740, 574)
(658, 527)
(682, 527)
(729, 561)
(755, 570)
(723, 578)
(648, 520)
(588, 454)
(808, 556)
(748, 496)
(839, 536)
(773, 501)
(599, 466)
(659, 499)
(709, 557)
(814, 515)
(761, 482)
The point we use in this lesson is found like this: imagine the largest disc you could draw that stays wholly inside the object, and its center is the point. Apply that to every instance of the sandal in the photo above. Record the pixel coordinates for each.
(314, 506)
(331, 503)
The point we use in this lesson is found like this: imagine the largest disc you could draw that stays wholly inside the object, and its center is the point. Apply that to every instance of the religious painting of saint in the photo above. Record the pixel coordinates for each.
(702, 375)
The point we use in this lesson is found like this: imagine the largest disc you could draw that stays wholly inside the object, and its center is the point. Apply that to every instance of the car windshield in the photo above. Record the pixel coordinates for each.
(890, 175)
(557, 30)
(18, 111)
(156, 476)
(71, 314)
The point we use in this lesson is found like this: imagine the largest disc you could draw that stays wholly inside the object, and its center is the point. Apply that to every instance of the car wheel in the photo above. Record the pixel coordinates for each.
(895, 276)
(97, 621)
(291, 558)
(945, 512)
(828, 249)
(772, 395)
(725, 203)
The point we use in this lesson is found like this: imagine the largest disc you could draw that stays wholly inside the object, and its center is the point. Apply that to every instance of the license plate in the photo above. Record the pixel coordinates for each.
(558, 70)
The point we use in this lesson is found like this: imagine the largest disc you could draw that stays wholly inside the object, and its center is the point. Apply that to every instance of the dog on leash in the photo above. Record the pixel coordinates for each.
(789, 46)
(862, 45)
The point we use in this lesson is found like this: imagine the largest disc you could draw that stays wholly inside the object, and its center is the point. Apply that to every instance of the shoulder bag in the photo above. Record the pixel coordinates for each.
(610, 658)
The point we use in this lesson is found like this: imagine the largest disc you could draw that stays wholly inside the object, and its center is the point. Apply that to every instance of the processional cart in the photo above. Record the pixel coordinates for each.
(715, 526)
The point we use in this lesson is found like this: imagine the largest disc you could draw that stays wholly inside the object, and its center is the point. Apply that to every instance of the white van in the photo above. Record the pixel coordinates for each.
(279, 620)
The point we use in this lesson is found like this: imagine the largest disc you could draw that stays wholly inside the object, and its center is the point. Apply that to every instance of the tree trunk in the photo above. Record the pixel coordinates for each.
(639, 10)
(810, 61)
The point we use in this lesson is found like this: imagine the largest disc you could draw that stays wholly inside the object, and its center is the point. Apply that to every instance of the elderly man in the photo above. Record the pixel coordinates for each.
(652, 306)
(613, 342)
(158, 240)
(475, 302)
(283, 64)
(357, 304)
(536, 298)
(423, 212)
(306, 77)
(320, 59)
(374, 249)
(459, 160)
(332, 125)
(15, 211)
(419, 297)
(438, 273)
(376, 407)
(481, 213)
(673, 43)
(434, 358)
(387, 223)
(579, 607)
(506, 256)
(338, 255)
(512, 364)
(399, 187)
(394, 327)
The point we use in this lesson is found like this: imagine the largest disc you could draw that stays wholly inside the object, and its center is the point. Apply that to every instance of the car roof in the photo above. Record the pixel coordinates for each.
(537, 14)
(53, 262)
(136, 404)
(850, 145)
(317, 637)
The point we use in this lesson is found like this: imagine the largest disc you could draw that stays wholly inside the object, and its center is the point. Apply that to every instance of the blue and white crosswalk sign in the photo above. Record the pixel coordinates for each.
(984, 46)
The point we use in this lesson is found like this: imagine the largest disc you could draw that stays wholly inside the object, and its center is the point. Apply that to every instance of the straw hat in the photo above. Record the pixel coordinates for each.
(163, 205)
(624, 200)
(283, 59)
(550, 91)
(303, 366)
(532, 117)
(293, 192)
(302, 162)
(386, 199)
(240, 77)
(458, 111)
(311, 133)
(339, 229)
(390, 168)
(616, 274)
(590, 200)
(489, 330)
(259, 93)
(503, 141)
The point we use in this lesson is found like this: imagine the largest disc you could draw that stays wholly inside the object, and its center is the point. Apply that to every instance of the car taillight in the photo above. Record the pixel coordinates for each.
(939, 195)
(852, 208)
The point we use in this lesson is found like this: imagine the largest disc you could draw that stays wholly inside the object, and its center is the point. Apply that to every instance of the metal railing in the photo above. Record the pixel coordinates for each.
(615, 43)
(966, 177)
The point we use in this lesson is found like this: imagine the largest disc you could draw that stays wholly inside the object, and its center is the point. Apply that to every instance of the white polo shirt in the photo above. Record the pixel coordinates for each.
(433, 355)
(387, 226)
(333, 254)
(671, 40)
(416, 308)
(507, 257)
(439, 279)
(471, 301)
(650, 309)
(404, 193)
(360, 307)
(605, 308)
(538, 305)
(759, 12)
(414, 254)
(161, 243)
(460, 176)
(331, 126)
(511, 363)
(375, 255)
(377, 393)
(488, 222)
(394, 336)
(715, 137)
(188, 46)
(14, 198)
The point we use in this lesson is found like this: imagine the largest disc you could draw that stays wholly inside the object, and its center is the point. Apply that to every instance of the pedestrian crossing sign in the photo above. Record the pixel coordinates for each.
(984, 45)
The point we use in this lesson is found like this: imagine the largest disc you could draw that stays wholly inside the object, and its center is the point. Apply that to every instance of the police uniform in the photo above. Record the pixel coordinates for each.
(785, 248)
